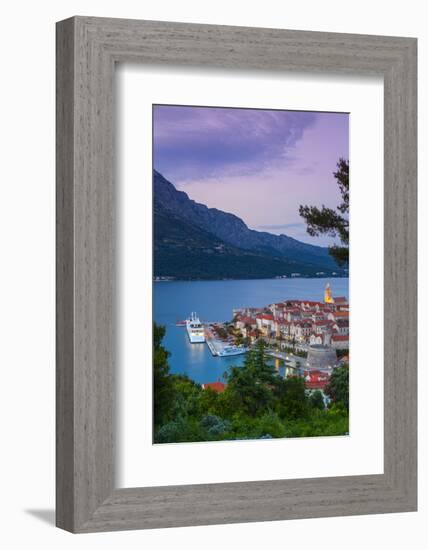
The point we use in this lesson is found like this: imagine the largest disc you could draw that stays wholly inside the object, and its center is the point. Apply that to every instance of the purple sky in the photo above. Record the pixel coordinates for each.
(258, 164)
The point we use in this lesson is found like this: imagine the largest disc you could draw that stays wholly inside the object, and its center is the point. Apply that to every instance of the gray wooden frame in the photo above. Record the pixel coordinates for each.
(87, 50)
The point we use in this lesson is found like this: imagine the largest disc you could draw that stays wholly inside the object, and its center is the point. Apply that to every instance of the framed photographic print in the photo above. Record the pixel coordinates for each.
(261, 364)
(236, 274)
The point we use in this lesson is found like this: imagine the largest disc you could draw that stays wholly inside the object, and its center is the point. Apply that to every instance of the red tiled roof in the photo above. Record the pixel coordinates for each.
(339, 338)
(315, 373)
(248, 320)
(340, 299)
(265, 316)
(216, 386)
(316, 380)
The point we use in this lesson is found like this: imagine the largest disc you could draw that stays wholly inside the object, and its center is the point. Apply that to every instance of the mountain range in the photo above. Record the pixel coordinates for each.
(192, 241)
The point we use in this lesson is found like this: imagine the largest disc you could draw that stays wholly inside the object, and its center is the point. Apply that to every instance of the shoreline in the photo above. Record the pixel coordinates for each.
(249, 279)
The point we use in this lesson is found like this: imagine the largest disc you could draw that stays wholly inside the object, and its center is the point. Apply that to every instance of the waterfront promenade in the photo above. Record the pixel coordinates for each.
(215, 345)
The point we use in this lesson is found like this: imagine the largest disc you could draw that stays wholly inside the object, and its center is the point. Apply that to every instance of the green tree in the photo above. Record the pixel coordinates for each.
(269, 425)
(256, 403)
(209, 401)
(163, 386)
(316, 400)
(338, 386)
(251, 385)
(292, 400)
(328, 221)
(182, 429)
(215, 425)
(187, 397)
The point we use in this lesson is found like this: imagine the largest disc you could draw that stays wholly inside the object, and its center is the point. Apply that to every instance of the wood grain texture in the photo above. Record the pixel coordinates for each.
(64, 277)
(87, 50)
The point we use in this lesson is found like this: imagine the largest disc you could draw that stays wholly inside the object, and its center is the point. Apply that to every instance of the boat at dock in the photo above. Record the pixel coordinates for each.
(195, 329)
(230, 350)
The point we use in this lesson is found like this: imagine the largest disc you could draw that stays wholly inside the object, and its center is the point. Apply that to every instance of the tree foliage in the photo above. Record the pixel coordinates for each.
(256, 403)
(163, 386)
(316, 400)
(338, 386)
(334, 223)
(251, 385)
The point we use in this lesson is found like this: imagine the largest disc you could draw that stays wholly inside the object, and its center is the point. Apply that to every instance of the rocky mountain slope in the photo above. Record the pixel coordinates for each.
(194, 241)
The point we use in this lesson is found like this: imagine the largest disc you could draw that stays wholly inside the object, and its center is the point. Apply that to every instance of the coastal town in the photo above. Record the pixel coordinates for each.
(250, 274)
(301, 323)
(305, 338)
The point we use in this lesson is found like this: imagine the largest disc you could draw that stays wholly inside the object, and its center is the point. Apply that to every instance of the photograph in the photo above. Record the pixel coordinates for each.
(250, 273)
(211, 264)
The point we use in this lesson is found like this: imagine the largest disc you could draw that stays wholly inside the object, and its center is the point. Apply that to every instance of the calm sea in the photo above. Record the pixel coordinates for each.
(214, 301)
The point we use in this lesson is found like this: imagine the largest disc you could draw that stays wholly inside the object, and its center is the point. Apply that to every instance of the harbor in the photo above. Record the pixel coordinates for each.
(209, 333)
(219, 347)
(214, 302)
(300, 338)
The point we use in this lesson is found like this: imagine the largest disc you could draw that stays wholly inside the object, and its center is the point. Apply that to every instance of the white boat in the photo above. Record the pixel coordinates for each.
(195, 329)
(232, 350)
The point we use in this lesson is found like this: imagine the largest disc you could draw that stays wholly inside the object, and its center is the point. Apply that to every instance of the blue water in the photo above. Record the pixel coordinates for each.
(214, 301)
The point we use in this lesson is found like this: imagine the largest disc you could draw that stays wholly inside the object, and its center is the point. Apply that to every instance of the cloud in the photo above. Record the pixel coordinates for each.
(198, 142)
(258, 165)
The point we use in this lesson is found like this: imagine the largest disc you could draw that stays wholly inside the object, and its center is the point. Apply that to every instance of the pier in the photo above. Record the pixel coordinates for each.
(214, 344)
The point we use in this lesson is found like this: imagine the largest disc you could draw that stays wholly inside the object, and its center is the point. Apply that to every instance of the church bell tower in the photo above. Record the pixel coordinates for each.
(328, 298)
